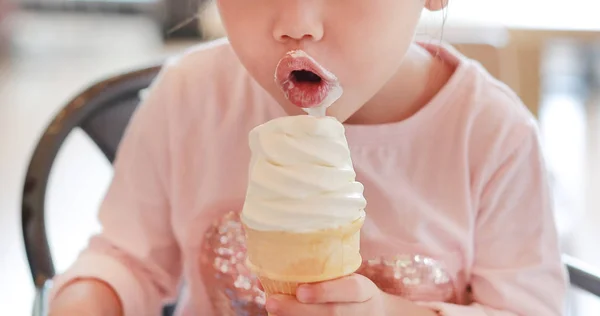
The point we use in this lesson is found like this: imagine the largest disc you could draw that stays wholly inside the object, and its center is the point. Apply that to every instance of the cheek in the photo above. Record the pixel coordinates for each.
(240, 18)
(229, 15)
(380, 38)
(237, 19)
(247, 30)
(259, 64)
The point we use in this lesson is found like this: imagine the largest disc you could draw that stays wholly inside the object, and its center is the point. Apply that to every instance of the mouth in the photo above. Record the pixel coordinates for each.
(305, 76)
(303, 81)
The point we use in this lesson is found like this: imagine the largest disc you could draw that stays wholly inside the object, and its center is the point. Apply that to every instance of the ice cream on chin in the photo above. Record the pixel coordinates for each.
(304, 208)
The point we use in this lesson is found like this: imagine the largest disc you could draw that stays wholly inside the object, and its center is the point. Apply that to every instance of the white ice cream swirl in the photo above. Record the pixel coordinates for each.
(301, 176)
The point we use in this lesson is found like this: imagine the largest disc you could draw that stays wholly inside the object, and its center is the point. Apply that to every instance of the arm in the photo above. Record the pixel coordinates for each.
(134, 263)
(517, 268)
(85, 297)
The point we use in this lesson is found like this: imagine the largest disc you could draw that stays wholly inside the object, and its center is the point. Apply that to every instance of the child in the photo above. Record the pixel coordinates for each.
(459, 219)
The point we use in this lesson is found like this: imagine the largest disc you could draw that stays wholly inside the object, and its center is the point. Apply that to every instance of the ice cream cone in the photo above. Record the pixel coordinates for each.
(304, 208)
(284, 260)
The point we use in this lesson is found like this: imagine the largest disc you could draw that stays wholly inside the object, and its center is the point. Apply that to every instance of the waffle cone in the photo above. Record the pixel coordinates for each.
(284, 260)
(278, 287)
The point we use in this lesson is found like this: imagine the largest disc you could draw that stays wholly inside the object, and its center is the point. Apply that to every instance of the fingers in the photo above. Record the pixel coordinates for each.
(349, 295)
(351, 289)
(282, 305)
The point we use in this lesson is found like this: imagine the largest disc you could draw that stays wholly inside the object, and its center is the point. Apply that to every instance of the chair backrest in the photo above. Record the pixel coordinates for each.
(106, 127)
(103, 112)
(582, 275)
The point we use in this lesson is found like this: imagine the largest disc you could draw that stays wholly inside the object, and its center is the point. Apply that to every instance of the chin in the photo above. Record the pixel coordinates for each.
(292, 110)
(340, 113)
(343, 109)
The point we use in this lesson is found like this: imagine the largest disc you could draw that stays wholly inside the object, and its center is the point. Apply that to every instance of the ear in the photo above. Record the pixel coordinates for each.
(436, 5)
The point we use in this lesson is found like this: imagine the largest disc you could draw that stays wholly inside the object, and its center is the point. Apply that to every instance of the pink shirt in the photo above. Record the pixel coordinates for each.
(458, 192)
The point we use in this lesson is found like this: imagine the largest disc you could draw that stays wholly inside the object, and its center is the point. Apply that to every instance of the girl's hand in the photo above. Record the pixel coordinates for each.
(348, 296)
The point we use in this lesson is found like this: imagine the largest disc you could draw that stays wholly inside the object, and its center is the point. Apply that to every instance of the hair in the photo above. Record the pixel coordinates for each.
(205, 11)
(438, 30)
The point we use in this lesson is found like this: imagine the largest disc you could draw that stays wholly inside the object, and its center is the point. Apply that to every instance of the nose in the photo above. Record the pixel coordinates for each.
(298, 20)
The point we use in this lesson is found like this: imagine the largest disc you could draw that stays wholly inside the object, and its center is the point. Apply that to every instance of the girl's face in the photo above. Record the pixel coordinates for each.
(361, 41)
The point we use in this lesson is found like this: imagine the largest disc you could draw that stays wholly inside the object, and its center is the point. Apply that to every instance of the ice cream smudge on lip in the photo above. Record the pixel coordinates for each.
(307, 84)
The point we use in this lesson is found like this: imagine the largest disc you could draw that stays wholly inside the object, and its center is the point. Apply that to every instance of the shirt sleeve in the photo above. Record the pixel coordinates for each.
(517, 268)
(136, 252)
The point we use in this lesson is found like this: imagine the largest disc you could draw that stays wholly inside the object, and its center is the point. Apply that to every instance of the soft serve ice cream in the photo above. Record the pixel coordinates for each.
(301, 176)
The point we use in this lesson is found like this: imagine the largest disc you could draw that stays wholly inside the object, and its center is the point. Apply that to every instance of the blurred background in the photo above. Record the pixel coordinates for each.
(50, 50)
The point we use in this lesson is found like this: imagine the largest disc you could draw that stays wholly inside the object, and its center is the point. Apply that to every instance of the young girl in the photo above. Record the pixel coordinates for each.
(459, 214)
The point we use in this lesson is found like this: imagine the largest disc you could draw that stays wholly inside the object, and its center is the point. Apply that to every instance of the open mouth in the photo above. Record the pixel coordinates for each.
(303, 81)
(305, 76)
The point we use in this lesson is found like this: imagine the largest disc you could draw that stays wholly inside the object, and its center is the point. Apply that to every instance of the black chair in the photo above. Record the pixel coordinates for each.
(103, 111)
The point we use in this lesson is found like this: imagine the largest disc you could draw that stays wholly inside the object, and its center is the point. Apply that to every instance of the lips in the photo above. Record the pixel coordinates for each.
(303, 81)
